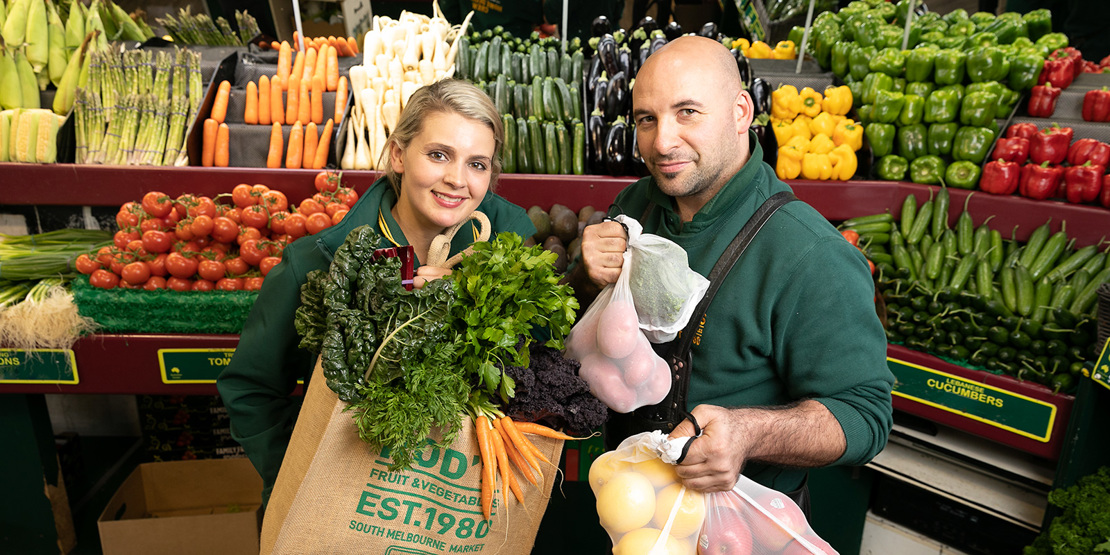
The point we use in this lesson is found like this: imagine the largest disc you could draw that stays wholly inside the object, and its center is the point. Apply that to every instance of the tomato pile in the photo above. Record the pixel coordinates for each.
(197, 243)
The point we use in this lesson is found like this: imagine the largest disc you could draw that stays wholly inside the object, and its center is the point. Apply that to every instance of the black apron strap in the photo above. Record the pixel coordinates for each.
(672, 410)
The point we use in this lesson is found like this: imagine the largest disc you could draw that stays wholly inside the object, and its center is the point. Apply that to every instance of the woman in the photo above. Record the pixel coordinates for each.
(444, 158)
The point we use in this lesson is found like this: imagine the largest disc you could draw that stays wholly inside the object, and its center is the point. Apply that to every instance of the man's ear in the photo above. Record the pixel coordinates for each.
(744, 111)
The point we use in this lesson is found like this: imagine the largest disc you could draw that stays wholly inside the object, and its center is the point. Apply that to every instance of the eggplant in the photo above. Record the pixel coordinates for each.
(641, 57)
(673, 30)
(619, 35)
(709, 30)
(601, 89)
(648, 24)
(744, 67)
(639, 168)
(592, 75)
(637, 38)
(761, 96)
(624, 59)
(616, 97)
(616, 149)
(767, 141)
(658, 40)
(607, 49)
(600, 26)
(595, 133)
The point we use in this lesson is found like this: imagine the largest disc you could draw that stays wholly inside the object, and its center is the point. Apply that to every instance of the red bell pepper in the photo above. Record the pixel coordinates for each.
(1011, 150)
(1096, 105)
(1083, 183)
(1088, 150)
(1024, 130)
(1060, 72)
(1104, 198)
(1050, 145)
(1091, 67)
(1105, 62)
(1040, 181)
(1000, 177)
(1042, 100)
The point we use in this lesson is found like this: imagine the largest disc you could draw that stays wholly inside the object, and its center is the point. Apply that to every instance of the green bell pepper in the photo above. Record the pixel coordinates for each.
(952, 42)
(866, 30)
(1052, 41)
(911, 141)
(902, 10)
(824, 37)
(1023, 43)
(941, 107)
(919, 64)
(1038, 23)
(987, 64)
(857, 92)
(956, 89)
(881, 138)
(1006, 104)
(978, 108)
(898, 85)
(933, 38)
(892, 168)
(912, 110)
(956, 16)
(949, 67)
(888, 105)
(873, 83)
(824, 18)
(1008, 27)
(962, 174)
(885, 10)
(981, 39)
(961, 29)
(972, 143)
(940, 138)
(841, 53)
(982, 19)
(865, 113)
(890, 61)
(890, 36)
(920, 88)
(795, 35)
(859, 61)
(1025, 69)
(927, 170)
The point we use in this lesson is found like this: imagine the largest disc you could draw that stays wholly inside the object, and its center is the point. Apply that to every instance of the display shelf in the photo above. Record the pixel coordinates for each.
(1021, 414)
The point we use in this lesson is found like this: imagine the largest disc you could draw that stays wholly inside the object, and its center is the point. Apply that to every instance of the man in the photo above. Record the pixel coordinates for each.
(788, 365)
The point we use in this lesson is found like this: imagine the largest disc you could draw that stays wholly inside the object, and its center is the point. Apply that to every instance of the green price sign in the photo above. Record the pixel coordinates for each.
(192, 365)
(1101, 374)
(39, 366)
(997, 407)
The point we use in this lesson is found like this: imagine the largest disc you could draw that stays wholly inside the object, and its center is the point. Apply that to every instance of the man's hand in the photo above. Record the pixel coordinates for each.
(603, 247)
(803, 435)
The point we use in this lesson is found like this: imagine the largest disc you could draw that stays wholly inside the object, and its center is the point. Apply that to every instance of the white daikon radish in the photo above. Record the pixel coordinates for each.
(371, 46)
(407, 90)
(348, 160)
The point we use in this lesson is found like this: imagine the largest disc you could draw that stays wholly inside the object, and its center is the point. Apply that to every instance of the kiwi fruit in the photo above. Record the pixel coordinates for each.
(585, 212)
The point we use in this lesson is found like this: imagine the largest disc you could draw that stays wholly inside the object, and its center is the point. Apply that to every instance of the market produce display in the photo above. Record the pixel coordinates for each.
(1031, 162)
(399, 56)
(199, 29)
(815, 138)
(969, 295)
(344, 46)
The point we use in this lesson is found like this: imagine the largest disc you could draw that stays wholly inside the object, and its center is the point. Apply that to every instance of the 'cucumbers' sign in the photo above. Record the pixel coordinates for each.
(1102, 367)
(38, 366)
(192, 365)
(997, 407)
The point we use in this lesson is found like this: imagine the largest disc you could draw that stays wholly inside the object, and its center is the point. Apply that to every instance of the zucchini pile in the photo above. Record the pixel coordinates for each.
(538, 92)
(970, 296)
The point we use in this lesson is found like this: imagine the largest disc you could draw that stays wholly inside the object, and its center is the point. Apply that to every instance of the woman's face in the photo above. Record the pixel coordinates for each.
(445, 170)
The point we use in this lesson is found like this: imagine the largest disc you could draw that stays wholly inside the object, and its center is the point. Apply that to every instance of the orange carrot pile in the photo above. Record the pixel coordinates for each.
(344, 46)
(306, 149)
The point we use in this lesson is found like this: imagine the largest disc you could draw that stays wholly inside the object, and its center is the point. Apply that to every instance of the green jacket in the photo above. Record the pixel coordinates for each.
(795, 319)
(257, 385)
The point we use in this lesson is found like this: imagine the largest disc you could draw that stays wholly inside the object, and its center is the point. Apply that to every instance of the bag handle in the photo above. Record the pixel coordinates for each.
(441, 244)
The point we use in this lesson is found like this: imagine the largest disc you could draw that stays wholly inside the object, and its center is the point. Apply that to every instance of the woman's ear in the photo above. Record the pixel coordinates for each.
(396, 158)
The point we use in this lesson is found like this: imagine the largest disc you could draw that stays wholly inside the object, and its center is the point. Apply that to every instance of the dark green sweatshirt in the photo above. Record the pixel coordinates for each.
(257, 385)
(795, 319)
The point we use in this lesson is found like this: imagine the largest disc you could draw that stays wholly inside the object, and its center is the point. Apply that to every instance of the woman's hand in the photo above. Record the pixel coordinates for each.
(424, 274)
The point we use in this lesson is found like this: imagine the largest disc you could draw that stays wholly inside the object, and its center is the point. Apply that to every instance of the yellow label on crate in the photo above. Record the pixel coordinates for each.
(38, 366)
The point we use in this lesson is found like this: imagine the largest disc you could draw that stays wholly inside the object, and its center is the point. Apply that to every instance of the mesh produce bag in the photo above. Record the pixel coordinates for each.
(163, 311)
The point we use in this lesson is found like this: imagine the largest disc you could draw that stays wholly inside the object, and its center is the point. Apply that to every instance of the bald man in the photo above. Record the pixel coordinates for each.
(789, 363)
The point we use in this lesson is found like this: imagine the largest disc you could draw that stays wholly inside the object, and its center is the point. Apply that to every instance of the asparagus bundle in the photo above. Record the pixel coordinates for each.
(199, 29)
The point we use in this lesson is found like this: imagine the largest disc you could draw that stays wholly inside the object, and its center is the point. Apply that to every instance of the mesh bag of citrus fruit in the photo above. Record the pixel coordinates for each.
(646, 510)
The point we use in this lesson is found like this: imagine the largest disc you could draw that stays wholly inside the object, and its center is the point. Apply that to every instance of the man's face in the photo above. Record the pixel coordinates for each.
(688, 127)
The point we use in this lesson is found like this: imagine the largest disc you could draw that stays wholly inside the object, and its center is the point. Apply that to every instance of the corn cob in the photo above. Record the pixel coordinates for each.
(75, 27)
(26, 134)
(11, 92)
(36, 37)
(58, 56)
(28, 85)
(5, 133)
(15, 25)
(46, 144)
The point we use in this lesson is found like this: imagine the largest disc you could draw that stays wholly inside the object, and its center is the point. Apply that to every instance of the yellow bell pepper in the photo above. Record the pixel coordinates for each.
(801, 127)
(838, 100)
(742, 44)
(798, 142)
(789, 163)
(848, 133)
(783, 131)
(816, 166)
(844, 163)
(785, 103)
(810, 102)
(821, 144)
(785, 50)
(823, 123)
(760, 50)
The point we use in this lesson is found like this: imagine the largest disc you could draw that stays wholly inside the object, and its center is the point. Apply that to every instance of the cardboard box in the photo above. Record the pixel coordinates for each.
(185, 507)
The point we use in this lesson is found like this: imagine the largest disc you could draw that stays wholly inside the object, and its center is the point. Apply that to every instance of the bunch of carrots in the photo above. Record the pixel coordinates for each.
(345, 46)
(501, 441)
